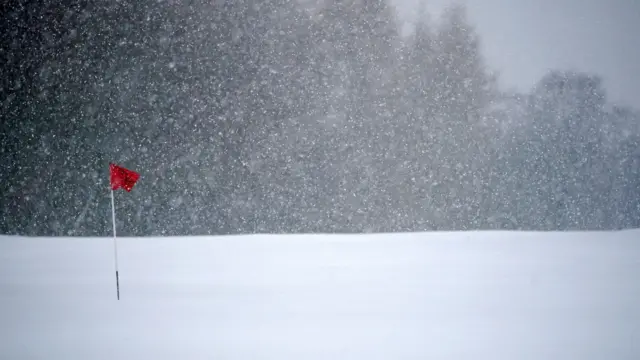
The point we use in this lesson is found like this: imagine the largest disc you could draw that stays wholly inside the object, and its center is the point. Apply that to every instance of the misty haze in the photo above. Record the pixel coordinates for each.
(270, 116)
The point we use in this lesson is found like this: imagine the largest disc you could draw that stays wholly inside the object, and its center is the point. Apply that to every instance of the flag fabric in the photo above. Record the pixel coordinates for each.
(122, 178)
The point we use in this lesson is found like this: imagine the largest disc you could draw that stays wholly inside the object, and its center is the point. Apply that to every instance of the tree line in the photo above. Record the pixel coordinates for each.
(251, 116)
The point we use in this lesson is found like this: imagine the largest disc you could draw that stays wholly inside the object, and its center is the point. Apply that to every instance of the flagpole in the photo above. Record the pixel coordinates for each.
(115, 243)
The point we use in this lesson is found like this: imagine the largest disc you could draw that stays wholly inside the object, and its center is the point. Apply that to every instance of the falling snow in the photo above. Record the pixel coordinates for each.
(278, 116)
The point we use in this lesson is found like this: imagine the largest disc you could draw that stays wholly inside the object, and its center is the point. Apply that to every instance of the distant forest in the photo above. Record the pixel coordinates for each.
(273, 117)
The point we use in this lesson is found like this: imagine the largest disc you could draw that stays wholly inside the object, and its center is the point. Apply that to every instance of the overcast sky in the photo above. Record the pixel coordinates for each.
(523, 39)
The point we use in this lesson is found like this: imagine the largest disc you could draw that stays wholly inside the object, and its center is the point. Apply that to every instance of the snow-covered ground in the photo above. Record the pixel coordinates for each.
(482, 295)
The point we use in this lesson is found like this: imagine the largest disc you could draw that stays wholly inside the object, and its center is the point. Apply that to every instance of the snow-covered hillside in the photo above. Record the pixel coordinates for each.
(485, 295)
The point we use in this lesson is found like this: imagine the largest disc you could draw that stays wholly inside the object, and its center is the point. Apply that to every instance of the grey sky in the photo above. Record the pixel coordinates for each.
(523, 39)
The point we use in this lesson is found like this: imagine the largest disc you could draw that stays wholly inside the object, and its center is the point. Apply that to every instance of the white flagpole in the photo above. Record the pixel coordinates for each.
(115, 243)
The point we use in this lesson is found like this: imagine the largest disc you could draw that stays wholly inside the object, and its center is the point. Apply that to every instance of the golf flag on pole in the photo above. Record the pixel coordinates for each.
(126, 179)
(122, 178)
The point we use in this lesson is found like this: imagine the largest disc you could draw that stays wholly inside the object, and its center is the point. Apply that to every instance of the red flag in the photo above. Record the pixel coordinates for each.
(122, 178)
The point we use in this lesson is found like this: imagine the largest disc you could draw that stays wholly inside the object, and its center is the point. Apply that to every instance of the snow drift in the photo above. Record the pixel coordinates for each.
(483, 295)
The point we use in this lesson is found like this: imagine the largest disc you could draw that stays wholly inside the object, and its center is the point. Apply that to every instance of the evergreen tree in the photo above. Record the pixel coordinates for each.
(462, 91)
